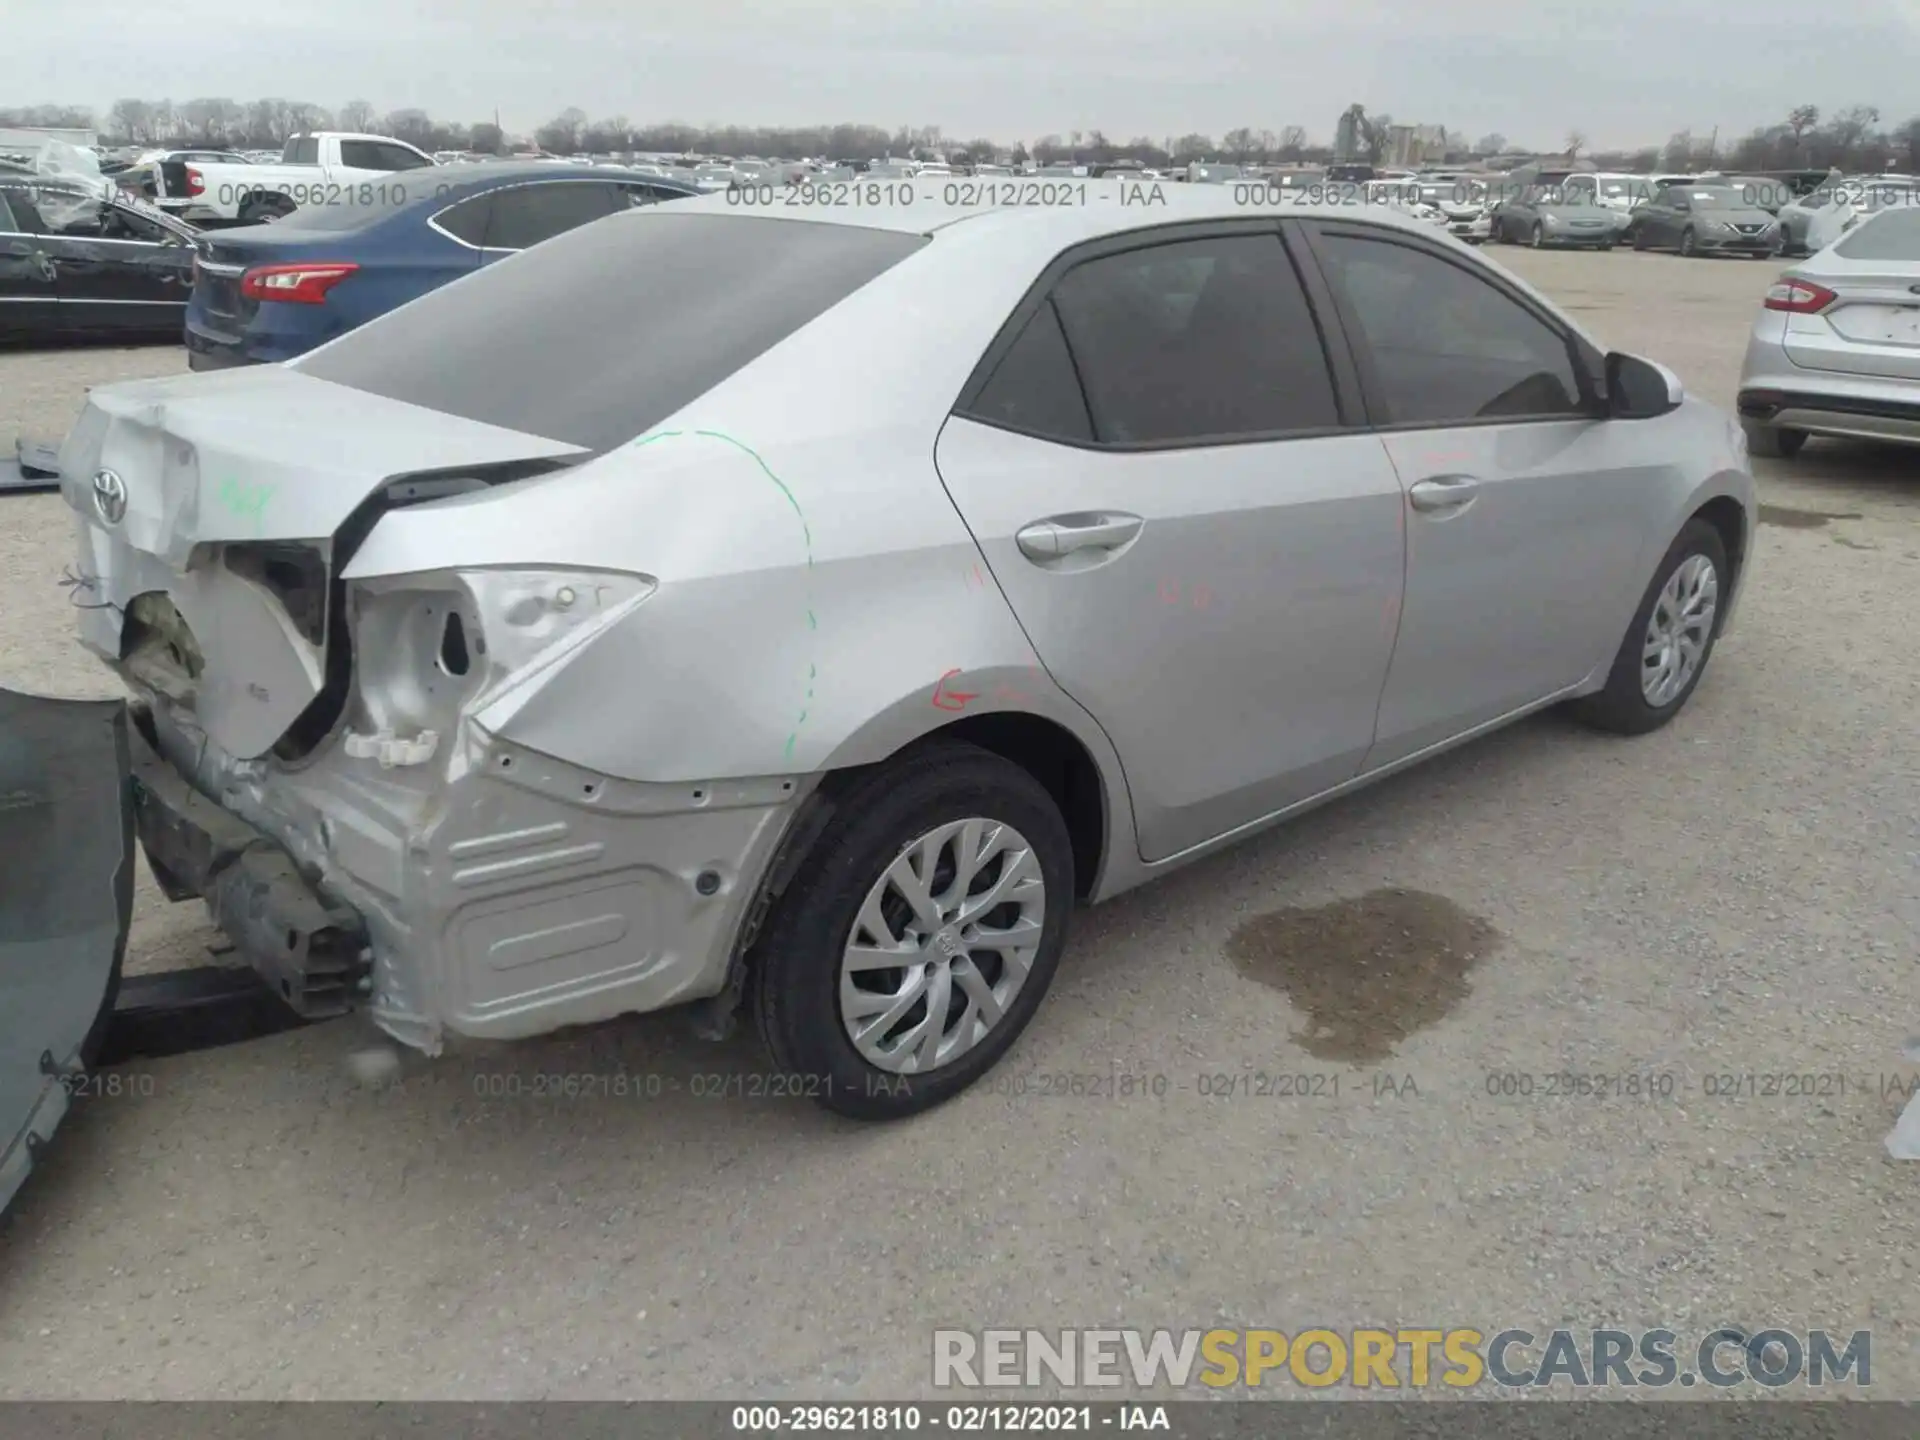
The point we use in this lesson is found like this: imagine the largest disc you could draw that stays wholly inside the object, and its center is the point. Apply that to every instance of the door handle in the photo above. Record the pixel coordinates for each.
(1442, 492)
(1065, 534)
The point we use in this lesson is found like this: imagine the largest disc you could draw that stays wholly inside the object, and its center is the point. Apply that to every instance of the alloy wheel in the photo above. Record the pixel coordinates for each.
(1679, 630)
(942, 945)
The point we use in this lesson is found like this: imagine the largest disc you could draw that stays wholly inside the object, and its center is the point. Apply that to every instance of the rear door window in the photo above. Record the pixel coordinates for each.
(1196, 341)
(524, 215)
(467, 221)
(1034, 388)
(302, 150)
(607, 330)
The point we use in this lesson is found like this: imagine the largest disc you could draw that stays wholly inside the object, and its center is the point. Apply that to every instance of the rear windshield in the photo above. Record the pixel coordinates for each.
(597, 334)
(1890, 235)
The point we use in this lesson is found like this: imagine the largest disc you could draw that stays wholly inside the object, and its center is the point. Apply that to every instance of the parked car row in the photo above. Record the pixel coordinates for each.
(77, 262)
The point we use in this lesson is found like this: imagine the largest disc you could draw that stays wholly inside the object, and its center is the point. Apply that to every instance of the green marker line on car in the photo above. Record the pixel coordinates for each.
(806, 532)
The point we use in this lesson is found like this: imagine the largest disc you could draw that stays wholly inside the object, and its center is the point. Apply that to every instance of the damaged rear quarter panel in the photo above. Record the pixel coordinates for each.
(797, 599)
(819, 604)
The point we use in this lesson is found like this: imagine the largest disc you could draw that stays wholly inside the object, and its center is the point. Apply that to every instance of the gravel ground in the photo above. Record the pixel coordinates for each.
(1732, 895)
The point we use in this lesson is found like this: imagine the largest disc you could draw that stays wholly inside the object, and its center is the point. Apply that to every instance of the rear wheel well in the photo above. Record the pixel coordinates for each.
(1048, 752)
(1727, 516)
(1054, 757)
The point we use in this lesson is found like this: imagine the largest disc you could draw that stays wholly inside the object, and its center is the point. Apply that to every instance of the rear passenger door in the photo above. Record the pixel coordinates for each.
(1158, 461)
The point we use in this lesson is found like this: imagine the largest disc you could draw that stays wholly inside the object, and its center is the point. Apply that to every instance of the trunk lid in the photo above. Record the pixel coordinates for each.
(224, 256)
(1872, 328)
(197, 486)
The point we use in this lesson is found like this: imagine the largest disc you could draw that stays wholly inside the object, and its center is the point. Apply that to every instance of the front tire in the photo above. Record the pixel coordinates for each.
(959, 864)
(1670, 641)
(1536, 237)
(1688, 248)
(1771, 442)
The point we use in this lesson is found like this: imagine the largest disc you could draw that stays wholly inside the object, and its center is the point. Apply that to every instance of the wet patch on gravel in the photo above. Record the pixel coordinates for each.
(1367, 972)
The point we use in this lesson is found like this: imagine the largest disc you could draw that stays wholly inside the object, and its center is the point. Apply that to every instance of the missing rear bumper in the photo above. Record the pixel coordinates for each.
(311, 951)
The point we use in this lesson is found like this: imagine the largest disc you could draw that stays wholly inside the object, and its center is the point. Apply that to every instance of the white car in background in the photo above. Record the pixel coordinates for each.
(1617, 193)
(710, 178)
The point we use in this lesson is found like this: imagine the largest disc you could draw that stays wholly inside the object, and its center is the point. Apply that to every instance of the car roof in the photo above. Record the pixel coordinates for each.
(1094, 208)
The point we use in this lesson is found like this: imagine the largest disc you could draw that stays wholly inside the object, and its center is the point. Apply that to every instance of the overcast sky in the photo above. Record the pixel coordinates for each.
(1623, 72)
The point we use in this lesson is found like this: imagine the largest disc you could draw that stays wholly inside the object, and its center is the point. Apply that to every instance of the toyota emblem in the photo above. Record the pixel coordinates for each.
(109, 496)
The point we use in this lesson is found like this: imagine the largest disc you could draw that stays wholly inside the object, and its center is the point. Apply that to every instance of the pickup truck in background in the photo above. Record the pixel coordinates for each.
(323, 168)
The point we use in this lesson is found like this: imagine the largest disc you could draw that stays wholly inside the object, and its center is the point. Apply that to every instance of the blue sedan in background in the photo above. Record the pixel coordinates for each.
(266, 293)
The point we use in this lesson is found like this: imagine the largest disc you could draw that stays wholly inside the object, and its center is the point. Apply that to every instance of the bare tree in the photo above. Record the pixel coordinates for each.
(1238, 145)
(1575, 142)
(413, 126)
(561, 135)
(1851, 127)
(356, 115)
(1293, 139)
(1907, 137)
(1678, 154)
(1494, 144)
(1376, 133)
(1801, 119)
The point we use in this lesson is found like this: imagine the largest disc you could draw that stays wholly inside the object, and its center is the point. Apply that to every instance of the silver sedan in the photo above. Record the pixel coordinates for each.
(800, 611)
(1836, 347)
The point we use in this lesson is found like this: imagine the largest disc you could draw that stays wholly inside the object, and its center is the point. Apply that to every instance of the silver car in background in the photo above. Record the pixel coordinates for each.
(653, 618)
(1548, 215)
(1698, 220)
(1836, 347)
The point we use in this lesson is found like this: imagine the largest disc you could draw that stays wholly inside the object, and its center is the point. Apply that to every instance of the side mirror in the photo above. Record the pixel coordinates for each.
(1639, 389)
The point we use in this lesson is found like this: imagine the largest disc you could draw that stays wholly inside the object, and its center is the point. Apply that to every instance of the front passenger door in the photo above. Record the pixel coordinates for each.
(29, 291)
(1524, 507)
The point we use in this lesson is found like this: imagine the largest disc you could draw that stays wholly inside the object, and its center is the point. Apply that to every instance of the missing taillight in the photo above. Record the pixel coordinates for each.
(454, 658)
(297, 577)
